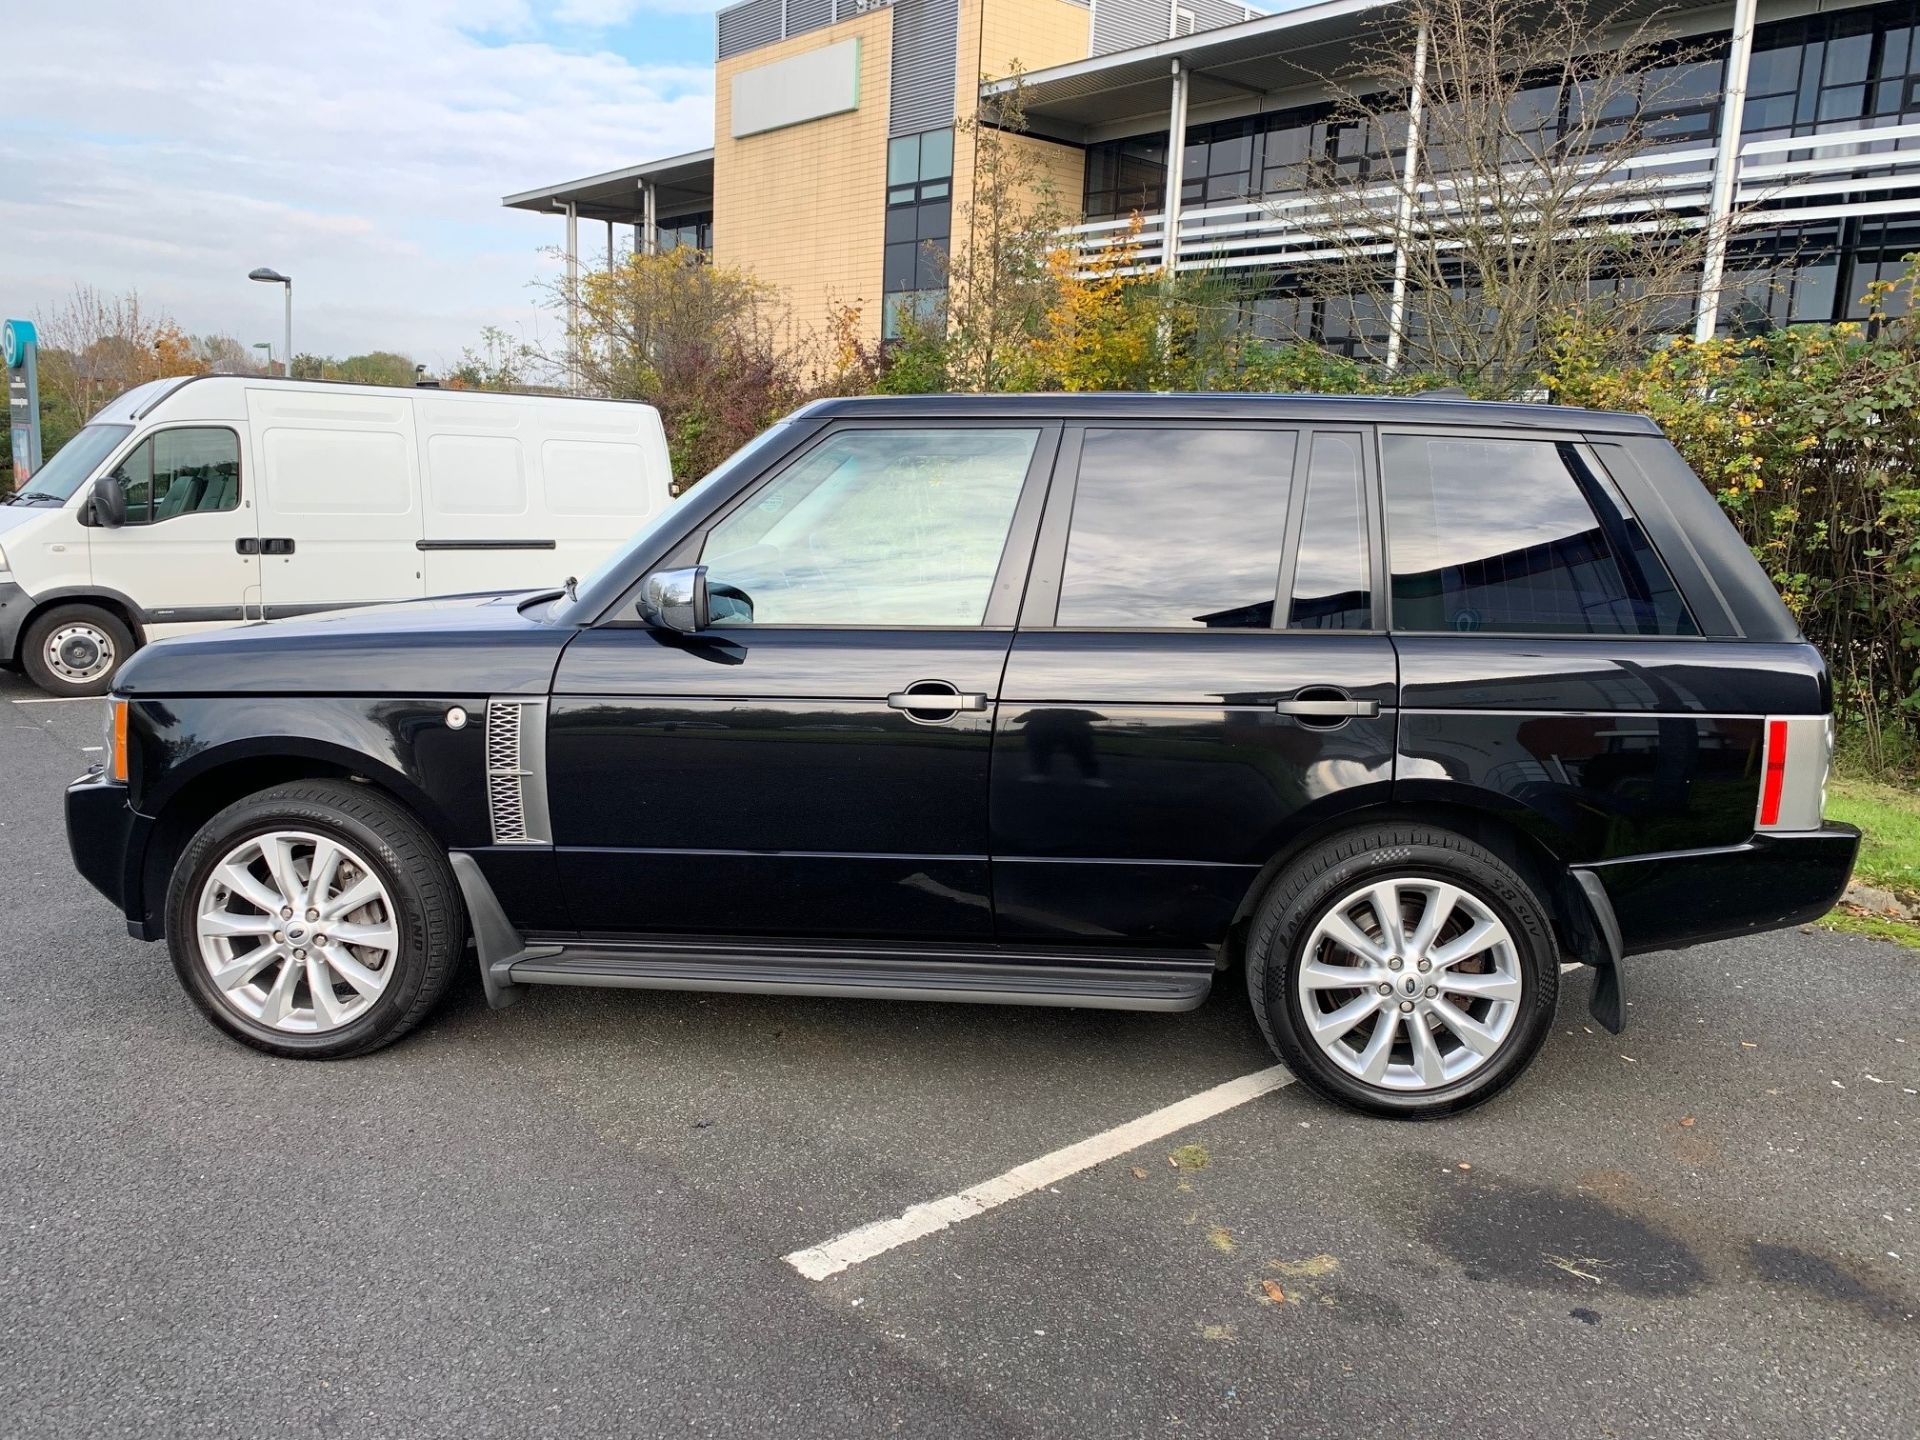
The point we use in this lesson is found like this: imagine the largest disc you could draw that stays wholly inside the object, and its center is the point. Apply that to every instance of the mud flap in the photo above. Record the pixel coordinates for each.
(1608, 1005)
(494, 937)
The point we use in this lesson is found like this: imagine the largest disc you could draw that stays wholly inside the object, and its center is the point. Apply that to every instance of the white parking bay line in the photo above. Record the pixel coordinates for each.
(917, 1222)
(58, 700)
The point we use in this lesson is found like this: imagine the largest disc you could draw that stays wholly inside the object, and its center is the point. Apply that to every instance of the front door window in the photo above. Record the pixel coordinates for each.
(875, 528)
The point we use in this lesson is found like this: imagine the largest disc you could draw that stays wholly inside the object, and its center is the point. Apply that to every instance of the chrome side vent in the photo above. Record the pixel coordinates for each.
(517, 772)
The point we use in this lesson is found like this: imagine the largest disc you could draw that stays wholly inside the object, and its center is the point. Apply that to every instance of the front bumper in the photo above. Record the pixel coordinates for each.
(15, 605)
(108, 840)
(1664, 902)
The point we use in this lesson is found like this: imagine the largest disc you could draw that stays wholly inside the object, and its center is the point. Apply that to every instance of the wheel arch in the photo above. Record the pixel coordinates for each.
(112, 601)
(1576, 929)
(199, 789)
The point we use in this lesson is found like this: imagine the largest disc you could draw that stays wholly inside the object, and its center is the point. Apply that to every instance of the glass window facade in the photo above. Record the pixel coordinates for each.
(1844, 70)
(919, 224)
(687, 232)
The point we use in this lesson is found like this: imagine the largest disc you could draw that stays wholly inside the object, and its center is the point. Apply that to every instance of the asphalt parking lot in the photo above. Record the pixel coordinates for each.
(569, 1217)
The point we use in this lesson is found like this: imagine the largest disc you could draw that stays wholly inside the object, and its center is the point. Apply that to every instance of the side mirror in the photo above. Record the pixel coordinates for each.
(108, 504)
(675, 600)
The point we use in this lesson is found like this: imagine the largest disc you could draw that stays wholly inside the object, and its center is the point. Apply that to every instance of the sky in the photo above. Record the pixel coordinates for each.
(360, 146)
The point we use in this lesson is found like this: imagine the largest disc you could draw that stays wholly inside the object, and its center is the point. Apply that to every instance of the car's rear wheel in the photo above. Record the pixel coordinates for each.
(315, 920)
(75, 649)
(1403, 971)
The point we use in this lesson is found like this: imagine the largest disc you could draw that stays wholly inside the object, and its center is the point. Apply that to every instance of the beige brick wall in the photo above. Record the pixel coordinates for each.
(995, 36)
(804, 208)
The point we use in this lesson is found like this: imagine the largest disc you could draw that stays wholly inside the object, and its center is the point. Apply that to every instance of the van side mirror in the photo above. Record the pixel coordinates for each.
(107, 505)
(675, 600)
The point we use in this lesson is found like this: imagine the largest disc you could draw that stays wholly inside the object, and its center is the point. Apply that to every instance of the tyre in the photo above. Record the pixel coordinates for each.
(315, 920)
(1404, 971)
(75, 649)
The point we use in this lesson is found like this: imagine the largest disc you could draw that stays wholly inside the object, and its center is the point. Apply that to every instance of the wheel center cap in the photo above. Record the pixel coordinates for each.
(296, 933)
(1410, 986)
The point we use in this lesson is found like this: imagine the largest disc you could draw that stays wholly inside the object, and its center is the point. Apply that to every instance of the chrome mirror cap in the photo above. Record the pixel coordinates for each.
(675, 600)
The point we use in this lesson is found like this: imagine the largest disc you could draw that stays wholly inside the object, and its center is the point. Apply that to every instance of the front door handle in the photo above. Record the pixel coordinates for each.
(925, 698)
(1327, 709)
(247, 545)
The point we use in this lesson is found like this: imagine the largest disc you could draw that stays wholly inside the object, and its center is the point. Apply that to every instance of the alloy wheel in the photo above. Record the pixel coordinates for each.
(1410, 983)
(297, 932)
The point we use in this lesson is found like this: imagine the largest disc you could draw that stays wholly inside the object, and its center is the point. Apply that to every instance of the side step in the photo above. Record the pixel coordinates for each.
(986, 975)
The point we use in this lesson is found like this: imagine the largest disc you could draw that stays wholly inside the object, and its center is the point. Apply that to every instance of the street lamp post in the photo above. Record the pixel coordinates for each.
(266, 345)
(274, 277)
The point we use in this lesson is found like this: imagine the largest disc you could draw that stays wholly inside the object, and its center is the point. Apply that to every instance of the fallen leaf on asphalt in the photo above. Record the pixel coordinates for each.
(1275, 1291)
(1311, 1268)
(1686, 1122)
(1139, 1173)
(1465, 1166)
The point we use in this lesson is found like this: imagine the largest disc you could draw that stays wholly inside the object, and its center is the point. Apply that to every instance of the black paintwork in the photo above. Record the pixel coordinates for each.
(1121, 791)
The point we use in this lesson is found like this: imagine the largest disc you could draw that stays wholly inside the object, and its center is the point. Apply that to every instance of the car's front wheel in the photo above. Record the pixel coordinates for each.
(1403, 971)
(315, 920)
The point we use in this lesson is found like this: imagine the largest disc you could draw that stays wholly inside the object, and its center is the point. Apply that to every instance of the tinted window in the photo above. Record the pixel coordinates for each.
(182, 472)
(1332, 579)
(873, 527)
(1177, 528)
(1504, 535)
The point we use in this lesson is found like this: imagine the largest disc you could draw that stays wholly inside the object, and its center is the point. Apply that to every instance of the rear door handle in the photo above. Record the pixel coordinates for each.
(936, 701)
(1327, 709)
(280, 546)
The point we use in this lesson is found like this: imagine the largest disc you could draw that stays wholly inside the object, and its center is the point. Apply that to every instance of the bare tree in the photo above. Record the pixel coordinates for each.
(1541, 191)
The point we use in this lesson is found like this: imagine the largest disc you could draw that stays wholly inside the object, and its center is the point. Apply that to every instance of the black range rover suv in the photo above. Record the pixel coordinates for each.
(1389, 704)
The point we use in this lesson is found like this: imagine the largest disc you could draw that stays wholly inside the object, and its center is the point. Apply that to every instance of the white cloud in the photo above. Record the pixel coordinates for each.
(360, 146)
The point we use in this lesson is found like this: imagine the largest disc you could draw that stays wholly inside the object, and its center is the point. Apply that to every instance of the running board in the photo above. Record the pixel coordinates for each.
(984, 975)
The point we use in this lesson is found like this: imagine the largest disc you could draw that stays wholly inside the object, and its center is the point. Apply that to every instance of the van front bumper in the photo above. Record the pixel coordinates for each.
(108, 838)
(1665, 902)
(15, 606)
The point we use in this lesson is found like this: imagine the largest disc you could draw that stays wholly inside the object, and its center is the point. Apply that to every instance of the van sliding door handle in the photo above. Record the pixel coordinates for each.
(1327, 709)
(246, 545)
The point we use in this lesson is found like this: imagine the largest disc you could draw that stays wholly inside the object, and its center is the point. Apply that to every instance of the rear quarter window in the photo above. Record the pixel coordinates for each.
(1518, 537)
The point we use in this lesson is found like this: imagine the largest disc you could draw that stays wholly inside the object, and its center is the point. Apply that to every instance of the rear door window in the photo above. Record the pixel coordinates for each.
(1177, 528)
(1517, 537)
(1332, 576)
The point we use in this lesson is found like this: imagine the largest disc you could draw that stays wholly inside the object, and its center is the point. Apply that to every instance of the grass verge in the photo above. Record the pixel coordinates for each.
(1889, 819)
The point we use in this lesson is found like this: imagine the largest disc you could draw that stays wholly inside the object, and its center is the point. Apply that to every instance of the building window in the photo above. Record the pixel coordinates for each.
(919, 224)
(687, 232)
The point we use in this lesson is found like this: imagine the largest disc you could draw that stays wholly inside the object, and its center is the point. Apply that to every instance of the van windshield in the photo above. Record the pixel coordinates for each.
(76, 460)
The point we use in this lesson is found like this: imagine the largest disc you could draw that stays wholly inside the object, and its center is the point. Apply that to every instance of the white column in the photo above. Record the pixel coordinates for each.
(573, 295)
(1409, 179)
(650, 216)
(1176, 171)
(609, 244)
(1726, 169)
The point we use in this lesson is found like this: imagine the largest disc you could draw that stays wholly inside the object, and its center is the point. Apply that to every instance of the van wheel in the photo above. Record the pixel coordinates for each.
(1403, 971)
(75, 650)
(316, 920)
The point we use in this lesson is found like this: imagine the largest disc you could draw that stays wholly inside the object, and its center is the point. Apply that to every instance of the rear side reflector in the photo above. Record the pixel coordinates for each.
(1793, 772)
(1775, 780)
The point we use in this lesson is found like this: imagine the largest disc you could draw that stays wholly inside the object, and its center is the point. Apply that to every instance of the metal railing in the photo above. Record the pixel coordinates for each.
(1789, 181)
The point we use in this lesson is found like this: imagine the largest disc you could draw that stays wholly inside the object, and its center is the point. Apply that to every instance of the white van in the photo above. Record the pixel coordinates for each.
(212, 500)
